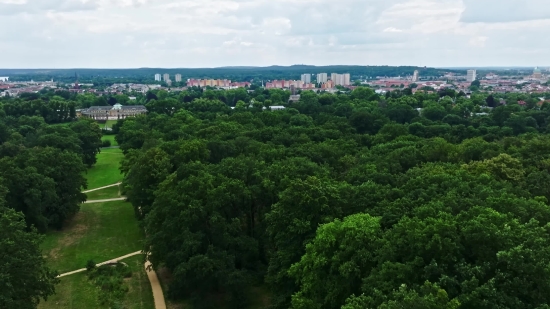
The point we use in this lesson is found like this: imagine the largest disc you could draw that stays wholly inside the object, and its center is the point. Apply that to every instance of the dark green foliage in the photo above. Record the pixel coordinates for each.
(344, 200)
(24, 279)
(43, 167)
(110, 281)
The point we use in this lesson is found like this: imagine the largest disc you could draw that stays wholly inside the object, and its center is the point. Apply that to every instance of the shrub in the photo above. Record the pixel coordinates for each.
(90, 265)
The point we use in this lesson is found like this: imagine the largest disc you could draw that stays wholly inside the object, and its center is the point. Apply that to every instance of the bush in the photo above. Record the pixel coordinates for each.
(90, 265)
(106, 143)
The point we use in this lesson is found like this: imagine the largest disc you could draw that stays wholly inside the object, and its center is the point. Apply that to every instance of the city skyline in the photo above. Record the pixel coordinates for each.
(144, 33)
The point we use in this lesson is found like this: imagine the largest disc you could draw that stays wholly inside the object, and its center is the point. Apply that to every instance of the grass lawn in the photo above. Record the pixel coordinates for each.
(102, 194)
(73, 291)
(99, 232)
(110, 138)
(76, 291)
(108, 124)
(105, 172)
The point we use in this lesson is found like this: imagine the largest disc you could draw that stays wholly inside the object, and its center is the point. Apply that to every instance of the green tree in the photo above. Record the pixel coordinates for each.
(25, 278)
(335, 262)
(89, 134)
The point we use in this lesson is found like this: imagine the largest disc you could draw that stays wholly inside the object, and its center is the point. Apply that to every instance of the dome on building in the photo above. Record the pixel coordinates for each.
(117, 106)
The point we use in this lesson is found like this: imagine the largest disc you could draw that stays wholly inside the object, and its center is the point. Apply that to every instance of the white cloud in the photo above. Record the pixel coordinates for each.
(478, 41)
(208, 33)
(392, 29)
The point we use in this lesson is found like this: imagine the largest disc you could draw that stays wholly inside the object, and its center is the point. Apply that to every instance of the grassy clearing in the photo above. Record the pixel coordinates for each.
(76, 291)
(73, 291)
(110, 138)
(105, 172)
(99, 232)
(140, 295)
(108, 124)
(112, 192)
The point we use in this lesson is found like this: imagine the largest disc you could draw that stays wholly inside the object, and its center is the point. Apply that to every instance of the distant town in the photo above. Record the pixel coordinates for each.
(471, 81)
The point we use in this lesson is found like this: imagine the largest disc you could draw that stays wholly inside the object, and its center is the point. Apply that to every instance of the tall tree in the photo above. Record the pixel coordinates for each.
(25, 278)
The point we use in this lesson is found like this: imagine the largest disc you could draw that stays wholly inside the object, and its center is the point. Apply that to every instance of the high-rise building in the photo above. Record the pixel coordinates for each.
(415, 76)
(347, 79)
(322, 78)
(157, 77)
(166, 77)
(340, 79)
(471, 75)
(306, 78)
(178, 78)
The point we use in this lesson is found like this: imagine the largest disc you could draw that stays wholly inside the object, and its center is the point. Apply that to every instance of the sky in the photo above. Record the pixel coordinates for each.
(214, 33)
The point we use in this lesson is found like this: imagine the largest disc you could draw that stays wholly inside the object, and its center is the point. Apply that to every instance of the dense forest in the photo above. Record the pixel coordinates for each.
(146, 75)
(346, 200)
(42, 168)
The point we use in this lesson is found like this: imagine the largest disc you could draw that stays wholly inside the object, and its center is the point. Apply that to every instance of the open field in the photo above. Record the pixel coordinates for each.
(112, 192)
(105, 172)
(110, 138)
(73, 292)
(110, 123)
(76, 291)
(99, 232)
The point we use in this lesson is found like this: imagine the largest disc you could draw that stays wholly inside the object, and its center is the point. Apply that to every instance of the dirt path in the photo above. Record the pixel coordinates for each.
(102, 263)
(106, 200)
(113, 185)
(158, 295)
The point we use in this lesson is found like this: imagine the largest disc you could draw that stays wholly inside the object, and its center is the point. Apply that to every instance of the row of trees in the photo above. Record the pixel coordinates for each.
(42, 170)
(345, 201)
(43, 167)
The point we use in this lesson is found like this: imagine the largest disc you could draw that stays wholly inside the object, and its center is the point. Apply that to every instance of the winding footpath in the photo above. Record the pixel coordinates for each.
(106, 200)
(102, 263)
(101, 188)
(158, 295)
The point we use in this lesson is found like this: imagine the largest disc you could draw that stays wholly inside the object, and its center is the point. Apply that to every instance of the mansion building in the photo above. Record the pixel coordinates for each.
(117, 111)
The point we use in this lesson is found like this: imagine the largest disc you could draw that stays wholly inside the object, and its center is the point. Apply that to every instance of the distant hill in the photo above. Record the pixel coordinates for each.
(237, 73)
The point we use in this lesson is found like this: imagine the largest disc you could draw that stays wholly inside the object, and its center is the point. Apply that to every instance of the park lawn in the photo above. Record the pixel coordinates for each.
(76, 291)
(111, 192)
(98, 232)
(140, 295)
(105, 172)
(110, 123)
(110, 138)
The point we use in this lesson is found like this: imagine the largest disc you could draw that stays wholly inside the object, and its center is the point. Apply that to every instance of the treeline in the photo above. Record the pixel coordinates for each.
(58, 106)
(43, 167)
(42, 170)
(102, 77)
(345, 201)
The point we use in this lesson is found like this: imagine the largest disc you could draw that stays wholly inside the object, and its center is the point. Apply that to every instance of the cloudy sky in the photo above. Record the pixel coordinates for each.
(211, 33)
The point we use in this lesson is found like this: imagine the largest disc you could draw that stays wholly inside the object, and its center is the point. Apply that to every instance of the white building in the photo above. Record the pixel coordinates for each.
(306, 78)
(415, 76)
(4, 79)
(178, 78)
(340, 79)
(471, 75)
(166, 77)
(322, 78)
(157, 77)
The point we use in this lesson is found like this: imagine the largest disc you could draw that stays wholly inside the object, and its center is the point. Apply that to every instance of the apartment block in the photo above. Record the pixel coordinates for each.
(471, 75)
